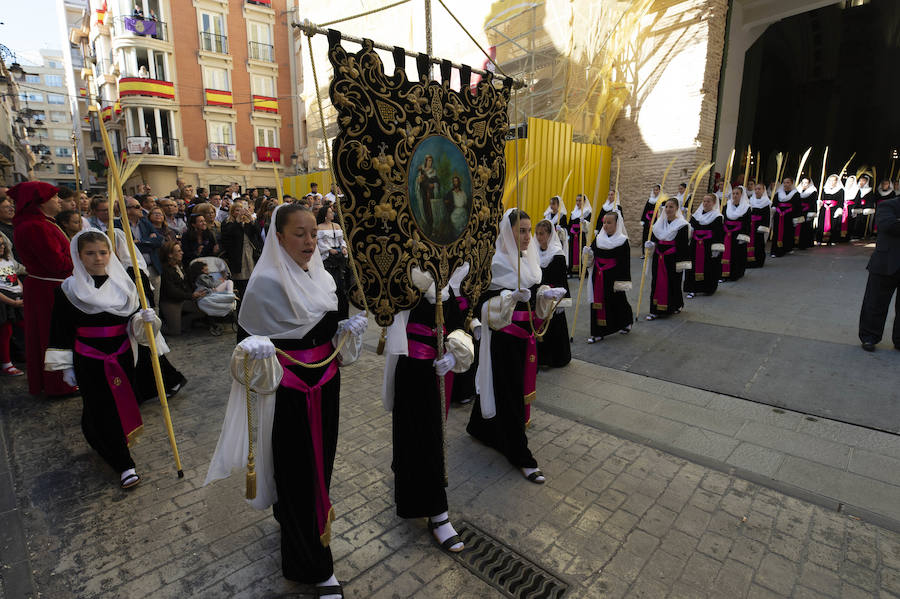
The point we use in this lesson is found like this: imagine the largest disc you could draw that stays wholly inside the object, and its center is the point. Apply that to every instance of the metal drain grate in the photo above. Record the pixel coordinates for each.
(505, 569)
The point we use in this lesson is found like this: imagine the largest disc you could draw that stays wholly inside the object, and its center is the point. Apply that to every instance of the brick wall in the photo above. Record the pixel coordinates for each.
(672, 112)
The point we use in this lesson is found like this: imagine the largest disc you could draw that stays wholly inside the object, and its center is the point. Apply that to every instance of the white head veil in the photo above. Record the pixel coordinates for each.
(508, 271)
(733, 212)
(763, 202)
(125, 256)
(610, 206)
(608, 242)
(585, 211)
(810, 189)
(705, 218)
(850, 187)
(832, 189)
(665, 230)
(864, 190)
(554, 248)
(117, 295)
(561, 212)
(282, 300)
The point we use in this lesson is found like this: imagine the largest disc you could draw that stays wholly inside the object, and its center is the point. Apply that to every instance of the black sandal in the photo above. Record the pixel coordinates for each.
(130, 481)
(448, 543)
(332, 589)
(533, 477)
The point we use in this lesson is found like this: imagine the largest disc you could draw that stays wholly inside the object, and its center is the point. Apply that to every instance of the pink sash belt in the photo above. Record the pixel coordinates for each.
(732, 227)
(848, 207)
(423, 351)
(826, 226)
(529, 383)
(600, 265)
(575, 250)
(324, 511)
(700, 253)
(119, 385)
(751, 247)
(661, 295)
(783, 210)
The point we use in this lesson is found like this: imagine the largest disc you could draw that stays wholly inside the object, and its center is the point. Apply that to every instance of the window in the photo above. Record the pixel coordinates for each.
(260, 36)
(53, 80)
(66, 169)
(261, 85)
(216, 79)
(220, 132)
(31, 97)
(29, 78)
(57, 116)
(55, 99)
(213, 33)
(63, 152)
(54, 64)
(266, 138)
(59, 134)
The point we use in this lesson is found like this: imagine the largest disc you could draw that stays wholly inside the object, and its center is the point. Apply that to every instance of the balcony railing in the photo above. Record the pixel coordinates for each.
(146, 145)
(222, 151)
(260, 51)
(137, 26)
(260, 2)
(213, 42)
(139, 86)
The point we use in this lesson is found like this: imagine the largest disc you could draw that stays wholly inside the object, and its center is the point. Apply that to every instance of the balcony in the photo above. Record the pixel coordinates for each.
(218, 97)
(138, 27)
(260, 2)
(139, 86)
(265, 104)
(264, 52)
(151, 146)
(265, 154)
(222, 151)
(212, 42)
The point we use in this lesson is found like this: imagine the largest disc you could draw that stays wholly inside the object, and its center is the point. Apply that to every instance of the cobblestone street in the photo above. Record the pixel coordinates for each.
(615, 519)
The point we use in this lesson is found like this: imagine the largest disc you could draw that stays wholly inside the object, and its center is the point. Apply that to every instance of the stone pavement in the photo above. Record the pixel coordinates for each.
(616, 518)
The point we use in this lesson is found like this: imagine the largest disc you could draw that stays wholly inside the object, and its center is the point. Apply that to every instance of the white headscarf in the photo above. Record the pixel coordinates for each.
(282, 300)
(125, 256)
(808, 191)
(585, 211)
(705, 218)
(506, 263)
(554, 218)
(665, 230)
(117, 295)
(653, 197)
(763, 202)
(850, 187)
(832, 189)
(554, 248)
(864, 191)
(609, 242)
(610, 206)
(735, 212)
(780, 196)
(885, 192)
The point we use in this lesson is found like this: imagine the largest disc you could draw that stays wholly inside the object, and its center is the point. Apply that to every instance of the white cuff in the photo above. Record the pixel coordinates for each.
(565, 302)
(762, 230)
(543, 306)
(57, 359)
(622, 286)
(868, 211)
(810, 215)
(683, 266)
(139, 331)
(799, 220)
(500, 310)
(474, 325)
(718, 247)
(743, 238)
(460, 345)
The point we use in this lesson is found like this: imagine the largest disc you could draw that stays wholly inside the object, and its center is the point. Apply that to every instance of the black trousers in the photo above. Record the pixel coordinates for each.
(873, 314)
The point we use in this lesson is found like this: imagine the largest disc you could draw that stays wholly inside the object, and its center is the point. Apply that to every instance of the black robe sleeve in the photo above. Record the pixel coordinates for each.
(718, 229)
(682, 245)
(623, 263)
(555, 274)
(63, 321)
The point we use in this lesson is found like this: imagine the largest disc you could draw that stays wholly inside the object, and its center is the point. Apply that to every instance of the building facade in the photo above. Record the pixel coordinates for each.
(200, 90)
(16, 157)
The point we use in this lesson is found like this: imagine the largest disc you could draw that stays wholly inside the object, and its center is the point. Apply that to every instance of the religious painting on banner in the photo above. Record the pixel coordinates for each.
(422, 170)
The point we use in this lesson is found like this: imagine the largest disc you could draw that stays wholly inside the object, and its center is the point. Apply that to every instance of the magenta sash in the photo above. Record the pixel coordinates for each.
(119, 385)
(530, 378)
(751, 247)
(423, 351)
(324, 511)
(599, 304)
(575, 250)
(661, 293)
(783, 209)
(848, 206)
(700, 237)
(732, 227)
(463, 303)
(826, 226)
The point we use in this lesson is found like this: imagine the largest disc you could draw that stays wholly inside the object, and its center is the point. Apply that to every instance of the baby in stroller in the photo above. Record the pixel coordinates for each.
(220, 302)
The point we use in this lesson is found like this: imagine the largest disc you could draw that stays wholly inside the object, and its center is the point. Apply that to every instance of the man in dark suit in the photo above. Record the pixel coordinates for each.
(884, 278)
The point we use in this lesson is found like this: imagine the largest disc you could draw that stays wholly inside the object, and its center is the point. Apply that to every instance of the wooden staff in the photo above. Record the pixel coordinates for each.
(758, 160)
(893, 164)
(802, 164)
(278, 184)
(148, 328)
(846, 164)
(747, 168)
(701, 172)
(821, 184)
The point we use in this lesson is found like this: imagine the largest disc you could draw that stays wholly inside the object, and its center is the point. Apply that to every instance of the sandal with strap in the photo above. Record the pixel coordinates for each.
(332, 589)
(593, 339)
(130, 481)
(651, 317)
(534, 476)
(449, 542)
(11, 371)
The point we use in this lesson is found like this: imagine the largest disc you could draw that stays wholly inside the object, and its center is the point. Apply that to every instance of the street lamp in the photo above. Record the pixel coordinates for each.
(294, 163)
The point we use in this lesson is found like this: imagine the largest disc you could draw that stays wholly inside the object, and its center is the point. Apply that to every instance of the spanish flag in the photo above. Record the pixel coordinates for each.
(106, 112)
(82, 92)
(216, 97)
(265, 104)
(135, 86)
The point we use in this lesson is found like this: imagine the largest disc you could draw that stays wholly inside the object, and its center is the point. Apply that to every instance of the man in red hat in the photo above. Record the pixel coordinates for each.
(44, 251)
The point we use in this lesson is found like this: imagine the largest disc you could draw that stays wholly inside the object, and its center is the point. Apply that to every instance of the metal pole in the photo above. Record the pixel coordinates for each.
(75, 160)
(428, 48)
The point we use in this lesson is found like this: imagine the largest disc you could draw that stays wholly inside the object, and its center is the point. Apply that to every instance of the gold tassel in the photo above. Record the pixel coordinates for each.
(381, 341)
(251, 462)
(251, 479)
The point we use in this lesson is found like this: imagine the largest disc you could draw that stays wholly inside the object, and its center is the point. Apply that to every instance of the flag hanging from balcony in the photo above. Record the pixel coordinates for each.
(265, 104)
(118, 108)
(140, 26)
(264, 154)
(216, 97)
(82, 92)
(106, 112)
(136, 86)
(101, 14)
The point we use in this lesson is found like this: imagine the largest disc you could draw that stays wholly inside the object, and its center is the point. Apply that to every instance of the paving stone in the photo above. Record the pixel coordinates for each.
(776, 573)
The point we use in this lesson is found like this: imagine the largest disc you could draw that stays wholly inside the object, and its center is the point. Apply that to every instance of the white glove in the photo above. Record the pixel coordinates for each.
(148, 315)
(356, 325)
(521, 295)
(586, 252)
(258, 347)
(445, 364)
(69, 377)
(554, 293)
(477, 333)
(649, 245)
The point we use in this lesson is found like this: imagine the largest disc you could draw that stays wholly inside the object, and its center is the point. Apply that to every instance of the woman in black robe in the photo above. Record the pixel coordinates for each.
(579, 222)
(669, 252)
(507, 366)
(830, 212)
(95, 317)
(411, 391)
(610, 205)
(786, 205)
(554, 349)
(707, 236)
(610, 255)
(803, 233)
(848, 215)
(736, 235)
(647, 217)
(290, 308)
(760, 218)
(865, 209)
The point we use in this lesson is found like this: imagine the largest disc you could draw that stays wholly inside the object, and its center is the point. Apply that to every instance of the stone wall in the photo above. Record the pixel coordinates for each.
(672, 112)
